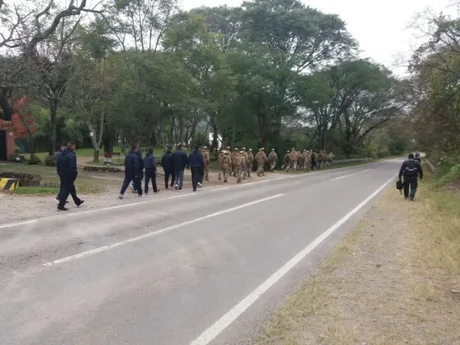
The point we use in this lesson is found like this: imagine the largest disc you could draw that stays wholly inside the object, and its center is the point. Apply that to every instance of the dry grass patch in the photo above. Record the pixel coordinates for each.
(391, 281)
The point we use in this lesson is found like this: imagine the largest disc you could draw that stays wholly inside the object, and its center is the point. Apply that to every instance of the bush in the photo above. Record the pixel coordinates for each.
(34, 159)
(17, 158)
(49, 161)
(102, 169)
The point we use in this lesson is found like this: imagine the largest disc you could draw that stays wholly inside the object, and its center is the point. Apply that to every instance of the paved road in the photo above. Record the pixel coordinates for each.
(199, 268)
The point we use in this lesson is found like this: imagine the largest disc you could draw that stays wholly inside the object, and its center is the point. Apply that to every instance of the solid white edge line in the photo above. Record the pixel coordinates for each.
(18, 224)
(173, 197)
(217, 189)
(356, 173)
(220, 325)
(180, 196)
(157, 232)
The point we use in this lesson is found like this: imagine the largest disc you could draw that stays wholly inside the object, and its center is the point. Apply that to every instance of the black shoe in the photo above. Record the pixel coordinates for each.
(62, 208)
(80, 203)
(194, 190)
(411, 199)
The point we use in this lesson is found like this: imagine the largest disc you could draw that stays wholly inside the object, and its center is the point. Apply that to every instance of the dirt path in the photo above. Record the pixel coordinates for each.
(394, 280)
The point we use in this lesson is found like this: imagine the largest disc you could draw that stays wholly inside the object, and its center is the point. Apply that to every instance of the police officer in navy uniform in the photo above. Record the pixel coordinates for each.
(411, 170)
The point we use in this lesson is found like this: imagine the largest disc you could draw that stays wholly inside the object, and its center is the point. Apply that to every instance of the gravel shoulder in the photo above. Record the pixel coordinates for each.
(14, 208)
(395, 279)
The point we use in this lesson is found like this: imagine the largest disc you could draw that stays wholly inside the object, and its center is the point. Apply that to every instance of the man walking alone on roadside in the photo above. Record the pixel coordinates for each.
(411, 170)
(196, 163)
(132, 172)
(150, 171)
(67, 170)
(179, 163)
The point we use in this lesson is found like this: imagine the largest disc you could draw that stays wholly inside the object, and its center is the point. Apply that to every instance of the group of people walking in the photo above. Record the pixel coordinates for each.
(239, 163)
(173, 164)
(306, 160)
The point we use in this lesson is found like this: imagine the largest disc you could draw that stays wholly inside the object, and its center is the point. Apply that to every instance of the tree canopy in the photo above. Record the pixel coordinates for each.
(268, 73)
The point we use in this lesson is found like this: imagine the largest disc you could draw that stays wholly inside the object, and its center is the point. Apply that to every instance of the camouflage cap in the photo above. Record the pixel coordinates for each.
(244, 148)
(205, 147)
(250, 150)
(242, 152)
(288, 151)
(273, 149)
(235, 149)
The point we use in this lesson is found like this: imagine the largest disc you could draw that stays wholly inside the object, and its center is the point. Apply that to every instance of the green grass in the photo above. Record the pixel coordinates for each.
(85, 183)
(36, 191)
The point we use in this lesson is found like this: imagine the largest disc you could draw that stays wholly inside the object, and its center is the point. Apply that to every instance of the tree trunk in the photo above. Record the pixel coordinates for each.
(96, 156)
(94, 141)
(53, 117)
(5, 105)
(214, 144)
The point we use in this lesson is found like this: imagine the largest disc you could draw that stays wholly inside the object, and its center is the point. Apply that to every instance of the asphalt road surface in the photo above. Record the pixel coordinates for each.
(187, 268)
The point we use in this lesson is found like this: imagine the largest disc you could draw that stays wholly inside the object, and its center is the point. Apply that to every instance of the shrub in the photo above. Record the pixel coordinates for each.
(34, 159)
(49, 161)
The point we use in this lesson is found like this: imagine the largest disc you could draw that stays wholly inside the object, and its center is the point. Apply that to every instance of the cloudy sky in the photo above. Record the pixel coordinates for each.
(381, 27)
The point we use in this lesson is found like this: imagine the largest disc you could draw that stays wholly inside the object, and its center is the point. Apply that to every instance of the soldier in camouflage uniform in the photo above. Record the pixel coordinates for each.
(286, 161)
(293, 158)
(261, 159)
(301, 161)
(207, 160)
(273, 159)
(330, 159)
(245, 163)
(240, 162)
(307, 160)
(233, 155)
(225, 163)
(250, 161)
(321, 159)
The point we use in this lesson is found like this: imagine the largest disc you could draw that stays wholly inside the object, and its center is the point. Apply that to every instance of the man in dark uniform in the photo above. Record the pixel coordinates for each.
(417, 158)
(411, 170)
(132, 172)
(168, 167)
(56, 157)
(141, 162)
(67, 170)
(196, 164)
(150, 172)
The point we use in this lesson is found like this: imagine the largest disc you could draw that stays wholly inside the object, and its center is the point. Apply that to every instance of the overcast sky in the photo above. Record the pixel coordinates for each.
(379, 26)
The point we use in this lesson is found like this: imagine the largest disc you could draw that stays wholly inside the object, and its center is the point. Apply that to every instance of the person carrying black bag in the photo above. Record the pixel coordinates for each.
(411, 170)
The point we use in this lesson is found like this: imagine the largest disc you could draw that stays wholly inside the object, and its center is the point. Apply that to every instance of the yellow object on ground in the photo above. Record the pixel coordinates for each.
(9, 184)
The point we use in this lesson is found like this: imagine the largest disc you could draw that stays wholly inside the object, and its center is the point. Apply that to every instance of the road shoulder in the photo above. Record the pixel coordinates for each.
(395, 279)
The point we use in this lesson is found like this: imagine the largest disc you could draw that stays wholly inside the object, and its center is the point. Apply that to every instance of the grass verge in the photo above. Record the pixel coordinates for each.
(85, 181)
(36, 191)
(395, 279)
